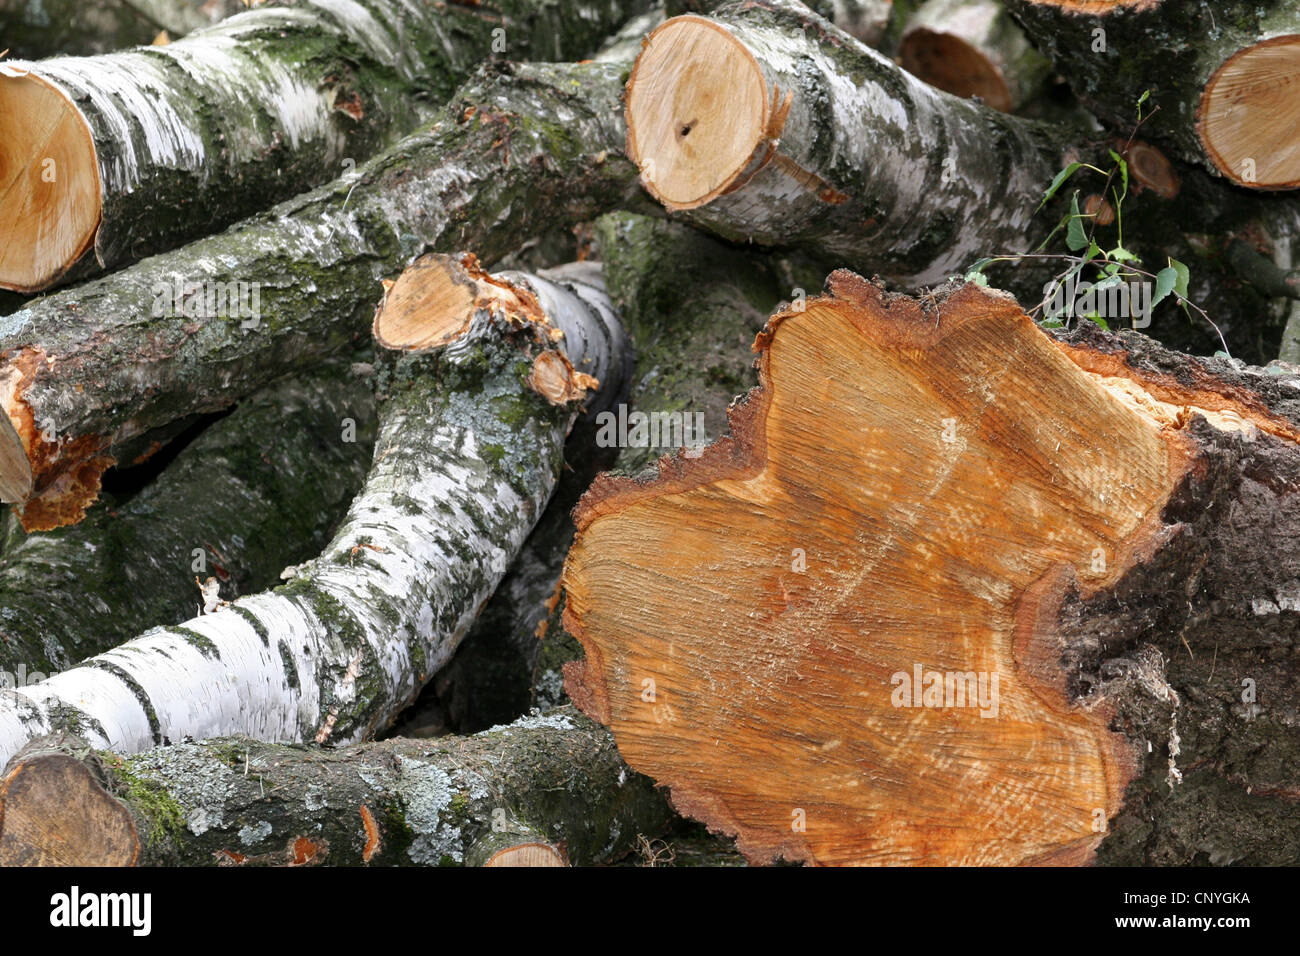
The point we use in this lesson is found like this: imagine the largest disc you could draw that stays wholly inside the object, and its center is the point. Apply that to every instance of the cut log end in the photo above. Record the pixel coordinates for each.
(1249, 115)
(1151, 169)
(555, 379)
(950, 63)
(697, 111)
(15, 469)
(527, 854)
(49, 183)
(1098, 7)
(432, 303)
(54, 812)
(913, 491)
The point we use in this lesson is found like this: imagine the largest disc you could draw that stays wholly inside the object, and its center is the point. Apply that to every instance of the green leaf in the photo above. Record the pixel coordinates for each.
(1061, 177)
(1166, 279)
(1120, 254)
(1180, 287)
(1075, 237)
(1099, 320)
(977, 277)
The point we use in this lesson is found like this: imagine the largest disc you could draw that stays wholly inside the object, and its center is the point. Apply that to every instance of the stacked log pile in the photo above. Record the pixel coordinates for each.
(866, 429)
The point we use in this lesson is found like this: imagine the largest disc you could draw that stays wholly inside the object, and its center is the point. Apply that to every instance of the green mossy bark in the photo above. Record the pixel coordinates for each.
(251, 111)
(257, 490)
(1170, 49)
(232, 800)
(692, 306)
(976, 190)
(520, 150)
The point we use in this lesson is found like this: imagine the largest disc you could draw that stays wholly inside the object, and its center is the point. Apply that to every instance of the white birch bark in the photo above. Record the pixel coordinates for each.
(466, 459)
(188, 137)
(859, 160)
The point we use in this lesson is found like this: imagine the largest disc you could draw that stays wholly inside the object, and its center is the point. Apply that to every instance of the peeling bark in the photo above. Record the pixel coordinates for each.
(549, 788)
(181, 140)
(257, 490)
(691, 306)
(550, 133)
(467, 455)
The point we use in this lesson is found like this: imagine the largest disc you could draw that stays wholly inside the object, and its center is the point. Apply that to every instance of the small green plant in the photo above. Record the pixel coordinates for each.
(1101, 271)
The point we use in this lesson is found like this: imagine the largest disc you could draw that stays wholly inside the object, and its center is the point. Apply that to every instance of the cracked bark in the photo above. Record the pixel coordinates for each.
(120, 156)
(550, 788)
(257, 490)
(552, 134)
(469, 448)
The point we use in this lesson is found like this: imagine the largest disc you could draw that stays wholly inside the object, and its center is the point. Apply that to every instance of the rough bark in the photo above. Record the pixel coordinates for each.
(827, 146)
(973, 48)
(833, 145)
(1112, 53)
(551, 784)
(33, 29)
(160, 145)
(490, 679)
(691, 306)
(468, 452)
(623, 46)
(1089, 526)
(550, 133)
(257, 490)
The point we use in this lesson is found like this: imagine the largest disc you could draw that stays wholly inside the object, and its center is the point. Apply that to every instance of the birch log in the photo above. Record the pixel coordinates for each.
(827, 146)
(826, 143)
(131, 153)
(34, 29)
(196, 328)
(1222, 74)
(257, 490)
(691, 305)
(973, 48)
(547, 790)
(960, 591)
(472, 425)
